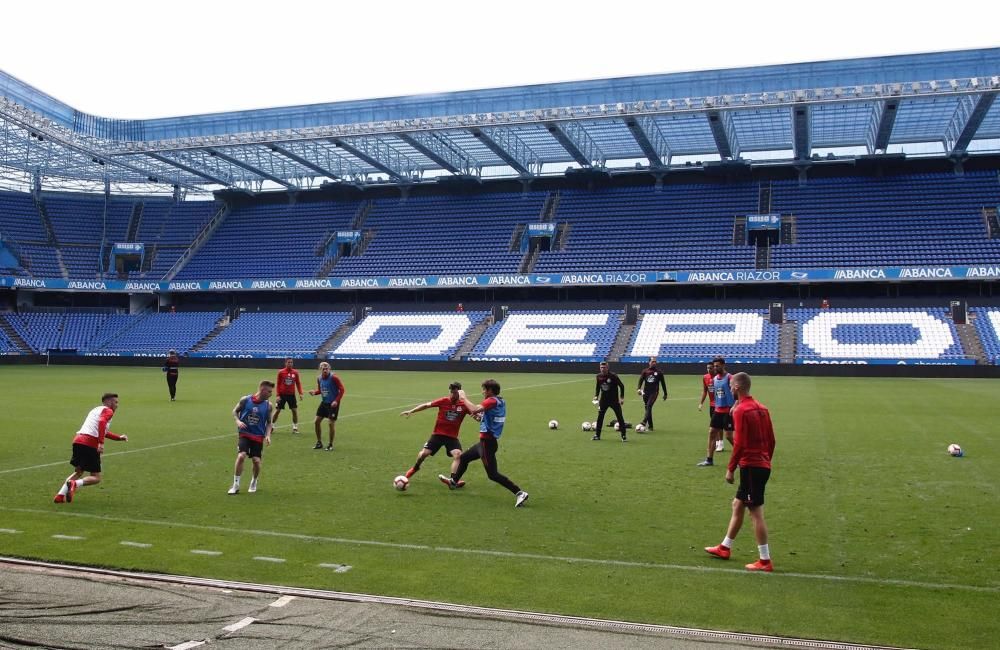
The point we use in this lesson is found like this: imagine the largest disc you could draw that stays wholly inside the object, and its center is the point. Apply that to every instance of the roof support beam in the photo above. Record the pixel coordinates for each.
(250, 168)
(380, 156)
(442, 152)
(189, 169)
(308, 164)
(724, 132)
(509, 148)
(647, 135)
(577, 143)
(800, 131)
(886, 120)
(966, 121)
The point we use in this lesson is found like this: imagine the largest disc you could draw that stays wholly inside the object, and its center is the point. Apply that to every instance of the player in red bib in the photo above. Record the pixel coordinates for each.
(288, 383)
(451, 411)
(88, 445)
(753, 449)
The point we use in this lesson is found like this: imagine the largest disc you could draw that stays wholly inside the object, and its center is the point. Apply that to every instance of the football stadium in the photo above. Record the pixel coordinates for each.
(829, 229)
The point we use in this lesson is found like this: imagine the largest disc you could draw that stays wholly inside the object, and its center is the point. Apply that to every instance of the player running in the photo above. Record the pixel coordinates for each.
(331, 391)
(493, 411)
(722, 421)
(88, 445)
(609, 393)
(288, 382)
(451, 413)
(253, 428)
(650, 382)
(752, 453)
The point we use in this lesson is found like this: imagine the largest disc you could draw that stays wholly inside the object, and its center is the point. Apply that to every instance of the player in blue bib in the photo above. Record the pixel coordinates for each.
(492, 415)
(253, 430)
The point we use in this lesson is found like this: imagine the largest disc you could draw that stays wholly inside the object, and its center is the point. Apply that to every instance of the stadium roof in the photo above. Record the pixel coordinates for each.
(939, 104)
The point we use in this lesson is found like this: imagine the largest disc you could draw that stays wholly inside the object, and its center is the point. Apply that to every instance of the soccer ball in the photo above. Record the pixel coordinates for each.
(593, 425)
(955, 450)
(553, 424)
(614, 423)
(639, 428)
(586, 426)
(401, 483)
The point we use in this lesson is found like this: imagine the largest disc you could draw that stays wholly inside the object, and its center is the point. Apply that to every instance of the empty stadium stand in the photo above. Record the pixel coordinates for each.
(584, 335)
(987, 322)
(429, 336)
(739, 335)
(155, 333)
(885, 334)
(293, 334)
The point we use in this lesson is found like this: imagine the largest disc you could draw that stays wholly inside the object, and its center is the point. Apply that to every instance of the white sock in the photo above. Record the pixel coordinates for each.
(253, 481)
(64, 490)
(79, 482)
(765, 552)
(727, 542)
(236, 480)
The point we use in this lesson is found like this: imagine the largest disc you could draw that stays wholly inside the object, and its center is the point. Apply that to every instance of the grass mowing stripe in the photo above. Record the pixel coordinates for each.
(521, 556)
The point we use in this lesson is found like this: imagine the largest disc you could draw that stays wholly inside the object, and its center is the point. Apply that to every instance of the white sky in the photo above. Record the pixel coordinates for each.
(154, 59)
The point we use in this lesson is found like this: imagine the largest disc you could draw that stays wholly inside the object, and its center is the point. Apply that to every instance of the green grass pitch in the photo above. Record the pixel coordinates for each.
(877, 534)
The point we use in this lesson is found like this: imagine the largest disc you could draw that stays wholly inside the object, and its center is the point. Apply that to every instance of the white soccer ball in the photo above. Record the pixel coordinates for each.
(615, 424)
(553, 424)
(955, 450)
(593, 425)
(639, 428)
(586, 426)
(401, 483)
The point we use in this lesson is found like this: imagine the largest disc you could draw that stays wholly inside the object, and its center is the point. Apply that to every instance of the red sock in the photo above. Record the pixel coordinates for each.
(410, 472)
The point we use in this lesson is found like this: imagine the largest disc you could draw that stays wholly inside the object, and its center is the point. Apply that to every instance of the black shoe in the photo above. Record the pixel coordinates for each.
(624, 439)
(596, 436)
(318, 445)
(329, 447)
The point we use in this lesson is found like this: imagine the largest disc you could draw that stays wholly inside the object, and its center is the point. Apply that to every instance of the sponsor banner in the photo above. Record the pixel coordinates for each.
(240, 354)
(392, 357)
(128, 248)
(763, 221)
(885, 362)
(82, 353)
(549, 359)
(730, 361)
(596, 278)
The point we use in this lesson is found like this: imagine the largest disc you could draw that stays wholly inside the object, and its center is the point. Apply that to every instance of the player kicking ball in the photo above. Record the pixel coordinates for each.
(88, 445)
(253, 428)
(451, 413)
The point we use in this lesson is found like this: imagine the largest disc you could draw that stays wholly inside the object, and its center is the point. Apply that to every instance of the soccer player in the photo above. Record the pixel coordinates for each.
(171, 366)
(752, 453)
(722, 421)
(88, 445)
(610, 394)
(706, 391)
(288, 382)
(253, 430)
(650, 382)
(493, 413)
(331, 391)
(451, 412)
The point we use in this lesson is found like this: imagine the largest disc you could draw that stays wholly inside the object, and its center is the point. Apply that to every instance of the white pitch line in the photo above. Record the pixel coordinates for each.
(135, 544)
(9, 531)
(338, 568)
(199, 551)
(240, 624)
(826, 577)
(187, 645)
(69, 537)
(264, 558)
(281, 602)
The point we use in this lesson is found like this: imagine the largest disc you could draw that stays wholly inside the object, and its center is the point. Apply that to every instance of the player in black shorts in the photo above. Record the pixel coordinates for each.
(451, 412)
